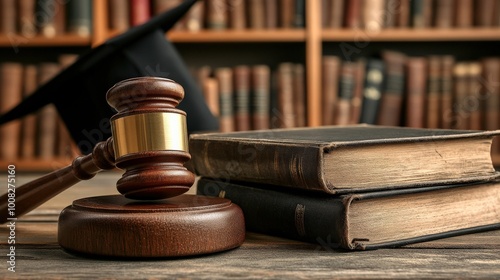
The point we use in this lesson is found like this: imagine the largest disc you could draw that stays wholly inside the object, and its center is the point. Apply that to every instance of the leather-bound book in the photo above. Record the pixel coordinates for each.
(416, 87)
(140, 11)
(403, 13)
(8, 17)
(464, 13)
(421, 13)
(28, 129)
(444, 15)
(346, 92)
(11, 79)
(286, 13)
(460, 94)
(46, 24)
(334, 13)
(271, 14)
(242, 97)
(211, 94)
(484, 13)
(299, 15)
(374, 83)
(195, 17)
(371, 220)
(261, 100)
(391, 9)
(25, 17)
(226, 105)
(353, 14)
(256, 14)
(119, 14)
(474, 103)
(286, 113)
(357, 98)
(373, 15)
(216, 16)
(491, 94)
(79, 17)
(299, 95)
(61, 17)
(330, 81)
(391, 103)
(447, 65)
(433, 101)
(346, 159)
(47, 116)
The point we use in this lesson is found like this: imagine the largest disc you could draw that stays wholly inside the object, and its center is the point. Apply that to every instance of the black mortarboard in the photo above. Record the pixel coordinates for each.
(79, 92)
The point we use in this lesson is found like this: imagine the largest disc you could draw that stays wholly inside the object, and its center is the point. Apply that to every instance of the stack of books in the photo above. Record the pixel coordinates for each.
(354, 187)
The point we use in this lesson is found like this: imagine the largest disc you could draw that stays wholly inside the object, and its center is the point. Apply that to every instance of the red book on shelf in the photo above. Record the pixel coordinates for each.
(140, 11)
(353, 13)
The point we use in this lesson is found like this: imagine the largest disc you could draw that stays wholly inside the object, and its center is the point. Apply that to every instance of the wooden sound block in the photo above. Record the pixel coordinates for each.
(185, 225)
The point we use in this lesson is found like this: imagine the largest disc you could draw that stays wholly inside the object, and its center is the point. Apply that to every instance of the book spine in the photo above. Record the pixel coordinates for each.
(299, 14)
(261, 100)
(444, 13)
(46, 23)
(26, 18)
(79, 19)
(119, 15)
(285, 96)
(211, 94)
(421, 13)
(194, 17)
(284, 214)
(140, 11)
(271, 14)
(484, 13)
(10, 95)
(8, 17)
(433, 92)
(28, 134)
(299, 95)
(334, 13)
(391, 102)
(287, 13)
(242, 98)
(330, 80)
(217, 16)
(357, 98)
(460, 90)
(474, 105)
(226, 107)
(257, 14)
(416, 88)
(391, 9)
(373, 15)
(372, 92)
(491, 95)
(447, 64)
(464, 13)
(346, 91)
(353, 14)
(403, 14)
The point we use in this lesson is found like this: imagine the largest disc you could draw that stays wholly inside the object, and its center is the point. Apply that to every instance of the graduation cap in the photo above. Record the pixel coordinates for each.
(79, 91)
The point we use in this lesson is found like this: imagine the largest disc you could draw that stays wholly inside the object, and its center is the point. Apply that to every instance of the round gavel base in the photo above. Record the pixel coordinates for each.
(185, 225)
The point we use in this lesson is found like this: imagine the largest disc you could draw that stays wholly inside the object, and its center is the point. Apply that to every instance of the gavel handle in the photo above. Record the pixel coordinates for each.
(31, 195)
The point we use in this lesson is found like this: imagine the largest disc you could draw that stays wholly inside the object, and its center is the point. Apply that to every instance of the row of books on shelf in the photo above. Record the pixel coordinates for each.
(380, 14)
(212, 14)
(39, 136)
(49, 18)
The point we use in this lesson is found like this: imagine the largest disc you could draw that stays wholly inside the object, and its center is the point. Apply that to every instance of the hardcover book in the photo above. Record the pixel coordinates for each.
(363, 221)
(340, 159)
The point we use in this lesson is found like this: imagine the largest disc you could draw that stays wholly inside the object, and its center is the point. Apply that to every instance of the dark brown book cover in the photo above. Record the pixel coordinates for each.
(8, 17)
(119, 14)
(336, 159)
(484, 13)
(416, 87)
(391, 103)
(271, 14)
(28, 133)
(334, 13)
(239, 14)
(261, 99)
(226, 105)
(26, 22)
(403, 13)
(464, 13)
(346, 92)
(211, 94)
(47, 116)
(216, 16)
(353, 14)
(257, 14)
(330, 82)
(461, 118)
(433, 101)
(286, 13)
(447, 65)
(474, 104)
(357, 98)
(242, 98)
(140, 11)
(491, 94)
(444, 15)
(286, 112)
(299, 95)
(363, 221)
(391, 9)
(11, 79)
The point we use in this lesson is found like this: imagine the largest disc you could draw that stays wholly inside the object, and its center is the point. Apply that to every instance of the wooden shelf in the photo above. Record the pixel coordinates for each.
(228, 36)
(394, 35)
(37, 165)
(40, 41)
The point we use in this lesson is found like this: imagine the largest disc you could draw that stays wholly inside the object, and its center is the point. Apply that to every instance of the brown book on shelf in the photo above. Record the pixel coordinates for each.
(372, 220)
(421, 13)
(46, 23)
(216, 15)
(334, 13)
(391, 102)
(464, 13)
(447, 64)
(211, 94)
(286, 113)
(357, 98)
(26, 18)
(286, 13)
(391, 9)
(28, 133)
(79, 17)
(460, 95)
(47, 116)
(8, 17)
(345, 159)
(256, 14)
(346, 91)
(299, 95)
(373, 15)
(242, 97)
(11, 80)
(474, 106)
(433, 101)
(491, 95)
(119, 14)
(444, 13)
(261, 97)
(353, 13)
(202, 73)
(484, 13)
(416, 87)
(161, 6)
(195, 16)
(271, 14)
(226, 108)
(140, 11)
(330, 81)
(403, 13)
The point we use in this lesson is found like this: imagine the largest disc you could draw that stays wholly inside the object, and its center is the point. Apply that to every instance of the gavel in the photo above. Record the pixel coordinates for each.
(149, 141)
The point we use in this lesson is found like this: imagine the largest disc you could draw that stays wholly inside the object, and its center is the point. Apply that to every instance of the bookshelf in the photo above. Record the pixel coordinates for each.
(304, 45)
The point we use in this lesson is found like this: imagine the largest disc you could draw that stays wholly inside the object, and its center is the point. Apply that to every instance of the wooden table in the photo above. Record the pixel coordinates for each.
(261, 257)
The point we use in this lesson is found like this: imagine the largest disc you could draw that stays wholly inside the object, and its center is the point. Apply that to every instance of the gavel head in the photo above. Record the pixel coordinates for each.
(150, 138)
